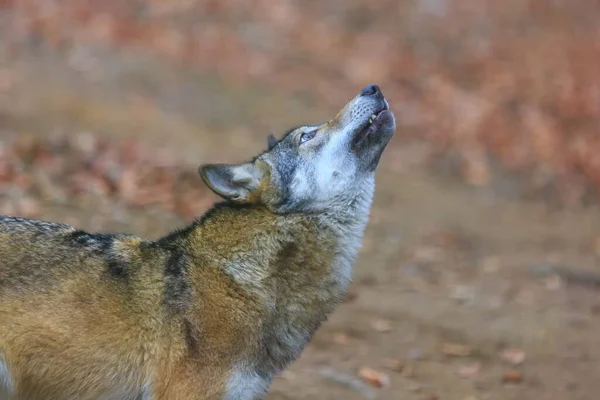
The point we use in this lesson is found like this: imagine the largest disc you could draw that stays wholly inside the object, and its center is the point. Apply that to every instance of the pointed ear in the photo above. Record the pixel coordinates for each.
(271, 140)
(239, 183)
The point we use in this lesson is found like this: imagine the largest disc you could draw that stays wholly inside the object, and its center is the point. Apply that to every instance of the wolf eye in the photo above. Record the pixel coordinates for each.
(306, 136)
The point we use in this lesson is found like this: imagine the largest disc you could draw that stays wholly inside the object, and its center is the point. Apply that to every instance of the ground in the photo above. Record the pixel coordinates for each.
(460, 292)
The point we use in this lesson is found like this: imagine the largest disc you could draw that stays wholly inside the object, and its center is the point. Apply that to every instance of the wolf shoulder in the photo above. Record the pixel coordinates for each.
(34, 252)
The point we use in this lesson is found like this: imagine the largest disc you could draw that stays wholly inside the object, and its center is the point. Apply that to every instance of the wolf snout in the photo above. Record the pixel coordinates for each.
(372, 90)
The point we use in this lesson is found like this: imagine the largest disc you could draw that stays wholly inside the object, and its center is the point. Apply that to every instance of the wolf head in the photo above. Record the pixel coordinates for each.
(313, 168)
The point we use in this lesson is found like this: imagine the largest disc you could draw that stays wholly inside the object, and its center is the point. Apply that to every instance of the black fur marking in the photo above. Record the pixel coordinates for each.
(99, 242)
(117, 269)
(191, 338)
(80, 236)
(177, 294)
(176, 265)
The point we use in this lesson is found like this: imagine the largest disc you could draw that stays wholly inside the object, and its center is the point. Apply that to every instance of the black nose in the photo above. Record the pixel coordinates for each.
(370, 90)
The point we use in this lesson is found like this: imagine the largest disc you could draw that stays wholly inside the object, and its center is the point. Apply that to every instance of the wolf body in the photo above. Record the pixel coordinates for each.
(212, 311)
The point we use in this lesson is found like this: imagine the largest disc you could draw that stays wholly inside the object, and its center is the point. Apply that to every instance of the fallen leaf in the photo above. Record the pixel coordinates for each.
(429, 254)
(456, 349)
(341, 338)
(374, 377)
(513, 356)
(513, 376)
(392, 364)
(463, 294)
(356, 384)
(469, 370)
(382, 325)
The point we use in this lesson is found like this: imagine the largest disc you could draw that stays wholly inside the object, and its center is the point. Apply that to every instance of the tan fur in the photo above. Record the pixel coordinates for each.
(75, 321)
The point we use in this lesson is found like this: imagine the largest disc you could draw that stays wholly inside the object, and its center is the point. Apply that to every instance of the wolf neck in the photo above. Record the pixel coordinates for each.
(348, 219)
(295, 268)
(245, 240)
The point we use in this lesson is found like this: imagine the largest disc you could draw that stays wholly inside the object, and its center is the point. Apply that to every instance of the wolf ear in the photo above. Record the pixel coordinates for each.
(271, 140)
(239, 183)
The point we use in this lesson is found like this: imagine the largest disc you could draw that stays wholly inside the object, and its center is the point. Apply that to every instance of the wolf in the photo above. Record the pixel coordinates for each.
(210, 311)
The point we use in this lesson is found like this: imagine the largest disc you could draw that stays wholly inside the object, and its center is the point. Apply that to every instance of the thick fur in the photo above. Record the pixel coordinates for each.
(212, 311)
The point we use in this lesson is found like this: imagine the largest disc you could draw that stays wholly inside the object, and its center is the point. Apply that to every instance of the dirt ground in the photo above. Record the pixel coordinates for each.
(460, 293)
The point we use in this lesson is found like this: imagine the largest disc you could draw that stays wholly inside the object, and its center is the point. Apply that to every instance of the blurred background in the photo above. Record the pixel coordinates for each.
(479, 274)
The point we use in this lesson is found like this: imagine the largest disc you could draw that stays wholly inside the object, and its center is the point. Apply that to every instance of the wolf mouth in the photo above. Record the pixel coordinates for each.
(373, 125)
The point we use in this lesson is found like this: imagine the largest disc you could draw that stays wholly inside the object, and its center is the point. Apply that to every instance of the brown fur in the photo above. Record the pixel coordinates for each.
(77, 308)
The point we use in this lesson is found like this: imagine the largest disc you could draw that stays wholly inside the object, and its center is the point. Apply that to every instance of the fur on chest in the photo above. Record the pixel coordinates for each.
(305, 290)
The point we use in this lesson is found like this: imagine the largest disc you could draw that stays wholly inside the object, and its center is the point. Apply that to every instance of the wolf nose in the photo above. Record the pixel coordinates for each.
(371, 90)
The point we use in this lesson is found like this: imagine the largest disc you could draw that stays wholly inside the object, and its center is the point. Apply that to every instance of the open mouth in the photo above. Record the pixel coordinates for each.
(376, 120)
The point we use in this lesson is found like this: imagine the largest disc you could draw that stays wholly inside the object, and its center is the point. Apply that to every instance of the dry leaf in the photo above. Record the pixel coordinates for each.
(381, 325)
(469, 370)
(392, 364)
(456, 349)
(374, 377)
(513, 376)
(513, 356)
(340, 338)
